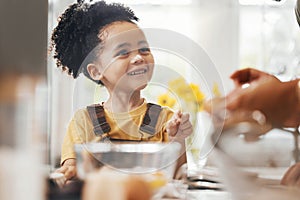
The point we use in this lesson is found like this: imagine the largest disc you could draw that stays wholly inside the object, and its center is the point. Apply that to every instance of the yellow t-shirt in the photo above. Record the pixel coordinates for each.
(124, 126)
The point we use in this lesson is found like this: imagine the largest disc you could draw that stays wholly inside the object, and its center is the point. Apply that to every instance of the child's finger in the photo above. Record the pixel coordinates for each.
(172, 131)
(177, 114)
(185, 125)
(172, 127)
(171, 124)
(62, 169)
(185, 117)
(187, 132)
(58, 178)
(71, 172)
(176, 118)
(61, 182)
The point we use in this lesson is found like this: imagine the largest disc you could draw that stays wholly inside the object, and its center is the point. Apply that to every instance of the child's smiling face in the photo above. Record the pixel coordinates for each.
(125, 62)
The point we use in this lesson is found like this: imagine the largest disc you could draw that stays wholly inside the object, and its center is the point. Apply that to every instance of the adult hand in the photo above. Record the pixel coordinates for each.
(249, 75)
(257, 90)
(292, 176)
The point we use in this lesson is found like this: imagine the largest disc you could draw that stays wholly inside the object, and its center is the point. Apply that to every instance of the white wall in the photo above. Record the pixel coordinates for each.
(214, 25)
(270, 39)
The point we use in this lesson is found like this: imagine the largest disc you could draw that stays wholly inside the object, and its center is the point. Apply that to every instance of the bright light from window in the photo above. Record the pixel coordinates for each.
(261, 2)
(152, 2)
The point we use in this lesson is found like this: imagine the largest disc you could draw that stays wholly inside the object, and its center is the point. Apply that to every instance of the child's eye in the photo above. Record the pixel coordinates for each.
(144, 50)
(122, 52)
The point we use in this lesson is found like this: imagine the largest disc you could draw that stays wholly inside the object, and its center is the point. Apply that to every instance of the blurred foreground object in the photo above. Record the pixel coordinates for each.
(23, 98)
(240, 183)
(23, 66)
(23, 37)
(114, 185)
(23, 147)
(23, 101)
(153, 163)
(291, 176)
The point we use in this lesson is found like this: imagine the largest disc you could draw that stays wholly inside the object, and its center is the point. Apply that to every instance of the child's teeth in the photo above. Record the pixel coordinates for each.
(137, 72)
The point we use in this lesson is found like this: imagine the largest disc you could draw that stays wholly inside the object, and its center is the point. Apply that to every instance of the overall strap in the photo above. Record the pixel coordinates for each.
(97, 115)
(150, 118)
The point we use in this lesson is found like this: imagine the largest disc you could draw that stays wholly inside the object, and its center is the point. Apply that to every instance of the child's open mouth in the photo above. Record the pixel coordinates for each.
(137, 72)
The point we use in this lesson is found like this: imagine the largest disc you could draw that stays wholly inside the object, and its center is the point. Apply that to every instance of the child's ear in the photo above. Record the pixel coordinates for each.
(94, 72)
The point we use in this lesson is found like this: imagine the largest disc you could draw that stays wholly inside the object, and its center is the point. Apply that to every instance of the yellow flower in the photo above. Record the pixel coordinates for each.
(198, 95)
(166, 100)
(188, 93)
(216, 90)
(179, 87)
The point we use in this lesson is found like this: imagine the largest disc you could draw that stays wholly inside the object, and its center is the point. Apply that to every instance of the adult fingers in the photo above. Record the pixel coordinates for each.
(247, 75)
(292, 176)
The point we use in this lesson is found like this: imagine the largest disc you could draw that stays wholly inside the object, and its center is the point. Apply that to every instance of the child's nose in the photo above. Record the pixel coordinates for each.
(137, 59)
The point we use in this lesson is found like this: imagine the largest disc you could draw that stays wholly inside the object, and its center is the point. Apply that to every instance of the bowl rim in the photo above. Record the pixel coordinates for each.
(149, 147)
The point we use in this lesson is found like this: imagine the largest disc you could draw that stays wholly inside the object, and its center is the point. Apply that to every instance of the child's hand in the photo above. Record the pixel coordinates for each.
(179, 126)
(68, 170)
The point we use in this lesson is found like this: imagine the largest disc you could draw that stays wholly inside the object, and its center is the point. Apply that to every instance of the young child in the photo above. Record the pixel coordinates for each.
(103, 41)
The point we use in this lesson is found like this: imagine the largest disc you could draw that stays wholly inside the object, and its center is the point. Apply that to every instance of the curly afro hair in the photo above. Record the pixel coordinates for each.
(76, 34)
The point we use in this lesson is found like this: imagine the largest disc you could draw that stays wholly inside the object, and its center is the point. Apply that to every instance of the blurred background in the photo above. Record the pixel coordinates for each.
(23, 99)
(38, 100)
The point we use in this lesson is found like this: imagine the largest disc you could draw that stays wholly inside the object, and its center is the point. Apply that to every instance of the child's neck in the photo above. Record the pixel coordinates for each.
(118, 103)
